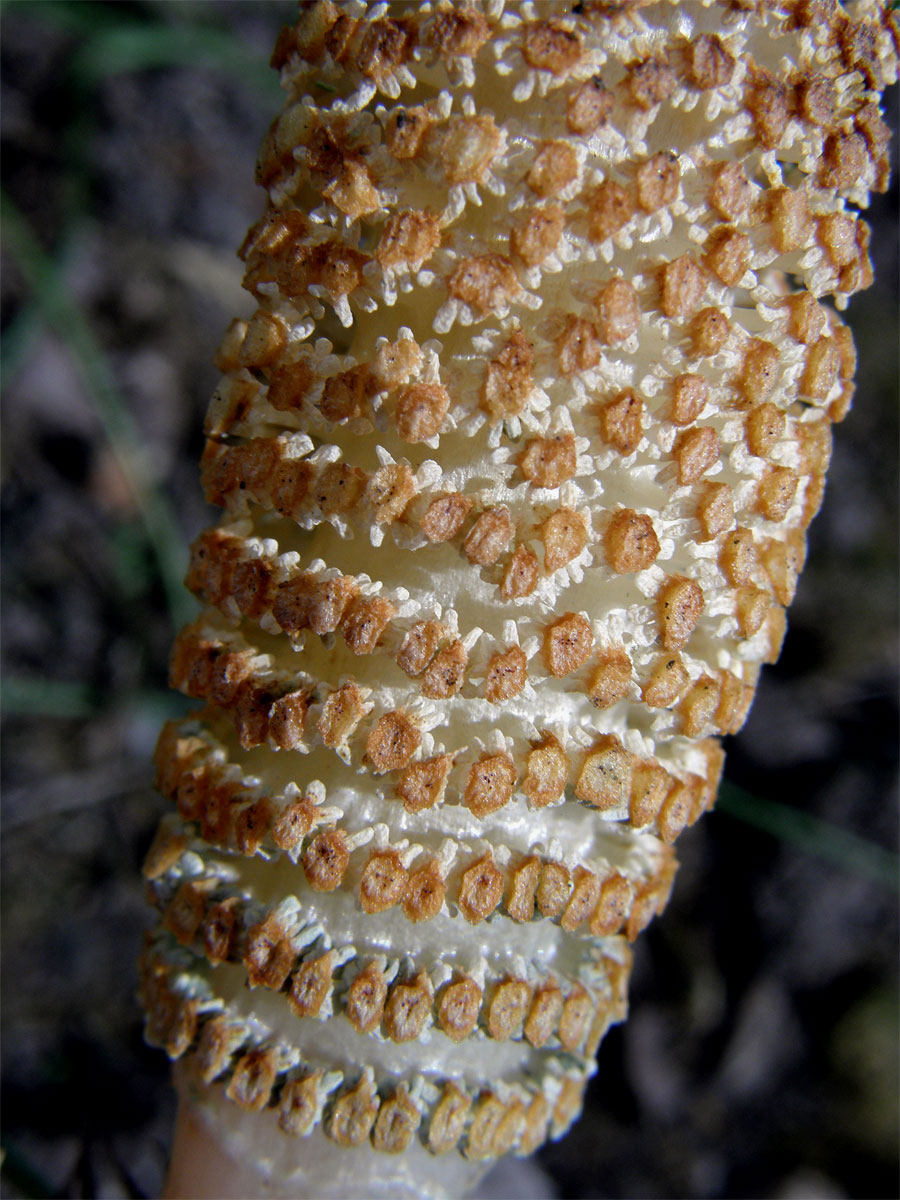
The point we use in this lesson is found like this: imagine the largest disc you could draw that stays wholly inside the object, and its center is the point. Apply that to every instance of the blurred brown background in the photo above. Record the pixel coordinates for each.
(761, 1056)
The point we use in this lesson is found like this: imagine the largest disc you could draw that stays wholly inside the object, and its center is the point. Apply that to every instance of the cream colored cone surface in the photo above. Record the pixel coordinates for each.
(516, 458)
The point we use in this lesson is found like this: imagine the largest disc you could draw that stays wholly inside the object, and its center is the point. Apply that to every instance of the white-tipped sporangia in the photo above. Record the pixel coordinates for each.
(516, 456)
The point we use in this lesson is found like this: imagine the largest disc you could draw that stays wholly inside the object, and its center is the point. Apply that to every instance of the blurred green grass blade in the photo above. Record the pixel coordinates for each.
(78, 17)
(23, 696)
(25, 1177)
(26, 696)
(65, 317)
(136, 47)
(115, 42)
(812, 835)
(17, 342)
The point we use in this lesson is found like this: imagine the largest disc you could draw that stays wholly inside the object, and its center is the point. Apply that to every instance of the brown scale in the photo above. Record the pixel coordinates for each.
(657, 182)
(489, 536)
(392, 743)
(480, 889)
(407, 129)
(553, 169)
(821, 369)
(467, 148)
(679, 604)
(696, 451)
(490, 784)
(534, 1133)
(165, 850)
(728, 254)
(553, 889)
(578, 346)
(251, 1083)
(444, 517)
(709, 62)
(366, 998)
(219, 931)
(568, 1105)
(397, 1122)
(698, 708)
(187, 909)
(715, 510)
(611, 679)
(543, 1014)
(342, 711)
(364, 622)
(547, 768)
(552, 45)
(172, 1019)
(459, 32)
(384, 882)
(650, 82)
(269, 956)
(445, 674)
(649, 782)
(564, 535)
(710, 330)
(789, 221)
(448, 1119)
(520, 575)
(523, 882)
(458, 1006)
(420, 411)
(407, 1010)
(667, 683)
(346, 396)
(535, 238)
(507, 674)
(574, 1019)
(682, 283)
(353, 1114)
(496, 1127)
(389, 491)
(425, 892)
(219, 1039)
(588, 107)
(567, 644)
(621, 422)
(610, 208)
(325, 860)
(604, 779)
(310, 985)
(618, 312)
(583, 900)
(507, 1008)
(339, 489)
(422, 785)
(485, 283)
(297, 1105)
(549, 462)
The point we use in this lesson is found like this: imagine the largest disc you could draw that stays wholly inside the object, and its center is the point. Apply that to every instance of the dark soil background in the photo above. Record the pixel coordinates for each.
(761, 1057)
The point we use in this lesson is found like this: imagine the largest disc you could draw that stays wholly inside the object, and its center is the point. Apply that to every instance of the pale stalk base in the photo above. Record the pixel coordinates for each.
(221, 1152)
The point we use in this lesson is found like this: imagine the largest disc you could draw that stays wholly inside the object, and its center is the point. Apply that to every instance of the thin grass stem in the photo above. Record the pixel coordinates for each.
(65, 317)
(851, 853)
